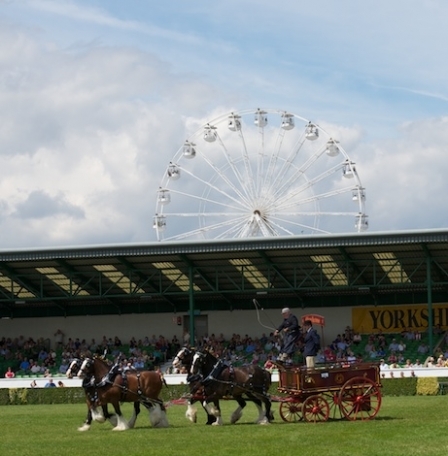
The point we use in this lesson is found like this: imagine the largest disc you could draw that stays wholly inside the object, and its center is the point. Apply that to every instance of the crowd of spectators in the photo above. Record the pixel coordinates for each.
(26, 356)
(36, 357)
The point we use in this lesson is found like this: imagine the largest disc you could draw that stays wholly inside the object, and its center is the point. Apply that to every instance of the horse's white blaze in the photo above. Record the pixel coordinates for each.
(81, 372)
(84, 427)
(122, 424)
(98, 415)
(193, 368)
(236, 415)
(192, 413)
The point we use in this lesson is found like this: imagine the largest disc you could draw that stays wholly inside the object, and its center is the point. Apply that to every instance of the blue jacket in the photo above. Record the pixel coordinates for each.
(311, 343)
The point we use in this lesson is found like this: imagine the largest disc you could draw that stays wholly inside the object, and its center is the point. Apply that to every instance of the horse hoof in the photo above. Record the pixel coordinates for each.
(84, 427)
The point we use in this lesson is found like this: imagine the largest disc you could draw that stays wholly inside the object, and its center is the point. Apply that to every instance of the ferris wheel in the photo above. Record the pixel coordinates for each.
(260, 173)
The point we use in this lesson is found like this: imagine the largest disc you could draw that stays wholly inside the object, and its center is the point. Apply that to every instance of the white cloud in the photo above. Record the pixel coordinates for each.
(90, 115)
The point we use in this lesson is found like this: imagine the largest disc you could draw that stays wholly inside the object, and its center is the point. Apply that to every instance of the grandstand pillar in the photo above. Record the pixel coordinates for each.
(191, 309)
(429, 294)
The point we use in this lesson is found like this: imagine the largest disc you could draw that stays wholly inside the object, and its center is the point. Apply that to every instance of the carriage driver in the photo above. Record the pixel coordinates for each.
(290, 330)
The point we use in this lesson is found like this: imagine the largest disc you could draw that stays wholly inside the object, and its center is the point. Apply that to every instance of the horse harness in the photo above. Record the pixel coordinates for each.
(217, 370)
(89, 384)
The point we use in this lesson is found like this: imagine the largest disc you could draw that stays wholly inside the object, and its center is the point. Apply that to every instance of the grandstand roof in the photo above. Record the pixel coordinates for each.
(308, 271)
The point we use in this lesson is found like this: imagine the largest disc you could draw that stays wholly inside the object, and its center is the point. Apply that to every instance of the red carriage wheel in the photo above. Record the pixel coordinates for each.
(291, 411)
(316, 409)
(333, 401)
(360, 398)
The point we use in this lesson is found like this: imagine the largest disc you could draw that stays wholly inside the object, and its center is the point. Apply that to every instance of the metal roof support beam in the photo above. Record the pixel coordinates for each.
(191, 265)
(12, 273)
(352, 265)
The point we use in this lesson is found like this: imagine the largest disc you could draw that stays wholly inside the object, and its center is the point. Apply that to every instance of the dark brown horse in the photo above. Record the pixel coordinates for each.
(142, 387)
(245, 383)
(185, 358)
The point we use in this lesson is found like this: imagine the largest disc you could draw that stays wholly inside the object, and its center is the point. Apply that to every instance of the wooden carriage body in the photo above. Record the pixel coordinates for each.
(351, 391)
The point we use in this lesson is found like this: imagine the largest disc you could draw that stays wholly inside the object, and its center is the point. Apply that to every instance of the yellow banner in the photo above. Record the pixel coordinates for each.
(397, 318)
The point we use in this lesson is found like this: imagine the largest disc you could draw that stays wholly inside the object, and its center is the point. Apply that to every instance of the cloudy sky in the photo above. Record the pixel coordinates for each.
(96, 96)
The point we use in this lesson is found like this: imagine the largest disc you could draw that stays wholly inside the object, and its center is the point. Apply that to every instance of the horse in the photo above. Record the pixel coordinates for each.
(244, 383)
(93, 413)
(133, 386)
(185, 358)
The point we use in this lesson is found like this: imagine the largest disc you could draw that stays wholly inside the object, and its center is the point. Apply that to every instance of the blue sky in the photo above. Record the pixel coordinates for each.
(96, 96)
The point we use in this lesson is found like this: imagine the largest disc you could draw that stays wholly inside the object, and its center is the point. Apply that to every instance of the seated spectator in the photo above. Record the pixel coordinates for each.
(408, 364)
(357, 339)
(25, 365)
(138, 363)
(50, 384)
(36, 368)
(351, 357)
(342, 345)
(401, 346)
(320, 357)
(429, 362)
(393, 347)
(33, 384)
(330, 355)
(43, 355)
(392, 358)
(383, 365)
(93, 346)
(368, 347)
(422, 349)
(63, 367)
(373, 353)
(409, 334)
(60, 384)
(9, 373)
(418, 363)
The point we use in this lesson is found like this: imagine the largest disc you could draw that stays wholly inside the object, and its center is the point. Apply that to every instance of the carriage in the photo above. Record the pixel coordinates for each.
(350, 391)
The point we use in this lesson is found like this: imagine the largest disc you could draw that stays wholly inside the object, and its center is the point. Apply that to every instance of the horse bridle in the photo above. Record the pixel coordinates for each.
(181, 356)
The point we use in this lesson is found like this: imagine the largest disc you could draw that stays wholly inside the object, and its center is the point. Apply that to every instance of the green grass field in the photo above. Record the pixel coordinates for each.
(408, 426)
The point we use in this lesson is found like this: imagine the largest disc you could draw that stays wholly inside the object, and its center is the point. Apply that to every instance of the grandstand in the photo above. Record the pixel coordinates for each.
(208, 286)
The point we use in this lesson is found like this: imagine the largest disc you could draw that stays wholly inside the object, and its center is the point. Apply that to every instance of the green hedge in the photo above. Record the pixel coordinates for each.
(408, 386)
